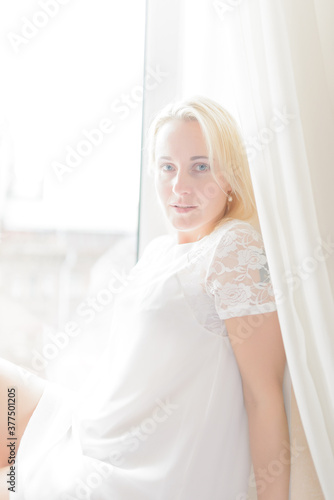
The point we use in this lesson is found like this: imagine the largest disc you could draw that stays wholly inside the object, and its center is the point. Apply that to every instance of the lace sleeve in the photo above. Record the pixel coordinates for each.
(238, 275)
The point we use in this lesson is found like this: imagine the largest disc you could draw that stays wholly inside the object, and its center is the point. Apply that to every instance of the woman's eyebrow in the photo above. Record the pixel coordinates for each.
(192, 158)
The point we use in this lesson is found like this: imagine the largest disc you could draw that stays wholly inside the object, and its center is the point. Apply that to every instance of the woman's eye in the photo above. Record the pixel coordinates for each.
(202, 167)
(166, 167)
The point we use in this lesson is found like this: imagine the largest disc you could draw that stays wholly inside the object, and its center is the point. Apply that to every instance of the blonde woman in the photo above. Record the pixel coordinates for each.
(188, 394)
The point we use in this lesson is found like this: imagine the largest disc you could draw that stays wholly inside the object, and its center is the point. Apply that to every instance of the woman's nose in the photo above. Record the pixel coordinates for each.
(181, 183)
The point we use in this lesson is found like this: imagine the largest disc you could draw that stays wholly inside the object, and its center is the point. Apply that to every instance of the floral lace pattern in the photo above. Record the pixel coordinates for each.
(238, 276)
(228, 276)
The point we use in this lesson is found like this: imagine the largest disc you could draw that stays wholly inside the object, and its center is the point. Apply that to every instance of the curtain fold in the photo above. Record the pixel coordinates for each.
(283, 171)
(270, 64)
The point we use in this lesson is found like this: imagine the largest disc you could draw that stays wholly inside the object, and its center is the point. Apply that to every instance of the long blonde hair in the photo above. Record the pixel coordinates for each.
(224, 143)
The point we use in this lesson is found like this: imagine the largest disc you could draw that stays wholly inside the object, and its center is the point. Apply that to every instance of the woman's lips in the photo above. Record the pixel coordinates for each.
(182, 210)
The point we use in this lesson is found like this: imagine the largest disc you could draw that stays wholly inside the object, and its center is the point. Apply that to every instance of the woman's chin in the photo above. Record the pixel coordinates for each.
(182, 225)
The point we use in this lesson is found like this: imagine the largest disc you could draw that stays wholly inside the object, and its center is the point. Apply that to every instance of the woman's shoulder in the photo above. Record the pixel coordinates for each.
(237, 232)
(238, 226)
(234, 232)
(235, 235)
(226, 239)
(238, 273)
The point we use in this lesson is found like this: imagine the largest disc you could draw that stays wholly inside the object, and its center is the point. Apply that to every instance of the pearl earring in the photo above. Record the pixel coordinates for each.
(229, 197)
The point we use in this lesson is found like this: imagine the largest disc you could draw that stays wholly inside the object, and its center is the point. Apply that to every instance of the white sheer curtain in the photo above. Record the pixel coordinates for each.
(270, 64)
(274, 49)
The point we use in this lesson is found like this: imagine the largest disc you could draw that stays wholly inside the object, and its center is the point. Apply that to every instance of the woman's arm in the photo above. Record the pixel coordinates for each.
(259, 351)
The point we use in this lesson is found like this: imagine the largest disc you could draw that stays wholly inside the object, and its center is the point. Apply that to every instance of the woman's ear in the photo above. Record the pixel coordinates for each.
(226, 185)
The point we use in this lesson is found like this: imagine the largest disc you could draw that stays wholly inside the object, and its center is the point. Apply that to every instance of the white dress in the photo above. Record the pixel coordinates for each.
(163, 417)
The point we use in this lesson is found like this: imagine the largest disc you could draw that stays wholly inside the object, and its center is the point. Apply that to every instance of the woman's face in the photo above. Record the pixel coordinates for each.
(190, 197)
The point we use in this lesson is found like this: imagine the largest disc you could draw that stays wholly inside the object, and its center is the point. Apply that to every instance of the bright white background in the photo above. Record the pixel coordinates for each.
(63, 80)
